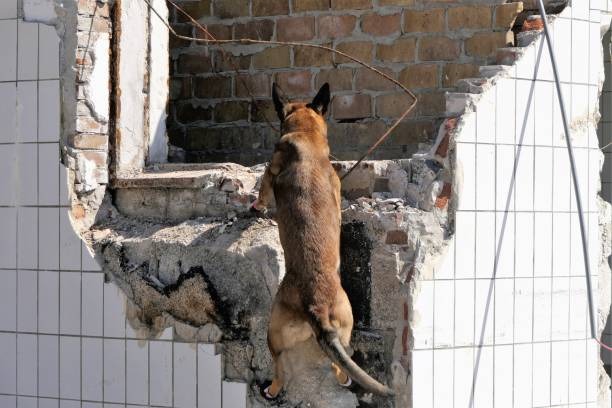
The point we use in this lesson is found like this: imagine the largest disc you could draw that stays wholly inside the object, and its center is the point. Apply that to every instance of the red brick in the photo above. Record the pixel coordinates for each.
(196, 9)
(276, 57)
(231, 111)
(213, 87)
(270, 7)
(231, 8)
(393, 105)
(295, 82)
(188, 113)
(401, 50)
(295, 29)
(444, 196)
(380, 25)
(454, 72)
(361, 50)
(469, 17)
(396, 237)
(505, 14)
(339, 79)
(439, 49)
(420, 76)
(383, 3)
(312, 57)
(218, 32)
(426, 21)
(263, 111)
(535, 23)
(352, 106)
(225, 61)
(309, 5)
(256, 30)
(252, 85)
(367, 79)
(351, 4)
(194, 63)
(336, 26)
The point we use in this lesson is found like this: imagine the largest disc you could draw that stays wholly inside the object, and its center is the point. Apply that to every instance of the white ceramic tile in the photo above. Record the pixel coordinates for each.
(504, 178)
(8, 110)
(444, 304)
(541, 374)
(8, 250)
(524, 195)
(48, 403)
(8, 300)
(89, 262)
(114, 311)
(503, 376)
(70, 243)
(8, 46)
(576, 254)
(114, 370)
(209, 377)
(8, 401)
(524, 259)
(48, 366)
(27, 361)
(525, 66)
(92, 298)
(485, 119)
(185, 375)
(69, 404)
(506, 99)
(27, 188)
(26, 113)
(27, 402)
(485, 244)
(27, 51)
(26, 300)
(578, 316)
(504, 245)
(559, 373)
(485, 178)
(443, 378)
(468, 123)
(48, 302)
(523, 310)
(594, 242)
(234, 395)
(49, 53)
(8, 167)
(484, 301)
(464, 312)
(522, 375)
(595, 52)
(563, 52)
(483, 388)
(95, 405)
(64, 193)
(92, 366)
(161, 373)
(463, 374)
(27, 236)
(446, 267)
(423, 328)
(558, 129)
(592, 370)
(48, 238)
(595, 186)
(543, 106)
(545, 71)
(561, 244)
(577, 371)
(422, 383)
(137, 372)
(582, 168)
(580, 52)
(8, 9)
(8, 383)
(560, 309)
(543, 179)
(542, 254)
(48, 174)
(48, 111)
(70, 367)
(504, 313)
(466, 158)
(70, 303)
(525, 103)
(542, 308)
(579, 110)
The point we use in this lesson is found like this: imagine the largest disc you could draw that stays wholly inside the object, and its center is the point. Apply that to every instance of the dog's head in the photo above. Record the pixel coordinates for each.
(302, 116)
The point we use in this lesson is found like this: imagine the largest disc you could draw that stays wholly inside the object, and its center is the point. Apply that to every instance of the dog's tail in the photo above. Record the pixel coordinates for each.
(330, 343)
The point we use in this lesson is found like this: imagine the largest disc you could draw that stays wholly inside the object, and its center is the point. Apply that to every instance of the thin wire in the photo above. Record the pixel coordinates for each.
(570, 151)
(247, 41)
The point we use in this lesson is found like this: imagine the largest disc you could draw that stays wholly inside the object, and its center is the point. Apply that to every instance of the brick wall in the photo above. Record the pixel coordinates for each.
(426, 45)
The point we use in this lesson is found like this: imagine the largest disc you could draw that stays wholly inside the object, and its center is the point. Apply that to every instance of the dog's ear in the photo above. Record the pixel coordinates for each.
(321, 100)
(279, 98)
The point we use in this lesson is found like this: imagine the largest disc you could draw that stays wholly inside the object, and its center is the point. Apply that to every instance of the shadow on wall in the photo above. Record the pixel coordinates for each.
(603, 131)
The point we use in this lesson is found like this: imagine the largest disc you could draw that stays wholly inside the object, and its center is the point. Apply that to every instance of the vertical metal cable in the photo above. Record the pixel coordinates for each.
(570, 151)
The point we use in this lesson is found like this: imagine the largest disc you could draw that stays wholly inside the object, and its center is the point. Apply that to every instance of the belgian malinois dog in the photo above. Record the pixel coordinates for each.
(310, 299)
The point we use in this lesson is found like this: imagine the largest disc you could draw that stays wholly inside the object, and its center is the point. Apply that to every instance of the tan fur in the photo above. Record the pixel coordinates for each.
(300, 178)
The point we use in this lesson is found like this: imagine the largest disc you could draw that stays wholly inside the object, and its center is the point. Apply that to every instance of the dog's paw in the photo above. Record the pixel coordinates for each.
(263, 391)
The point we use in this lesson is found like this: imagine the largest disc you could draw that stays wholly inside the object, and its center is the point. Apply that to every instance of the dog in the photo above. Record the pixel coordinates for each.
(310, 300)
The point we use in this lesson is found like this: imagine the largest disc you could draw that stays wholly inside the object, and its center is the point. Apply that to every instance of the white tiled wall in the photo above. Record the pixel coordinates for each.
(64, 340)
(504, 322)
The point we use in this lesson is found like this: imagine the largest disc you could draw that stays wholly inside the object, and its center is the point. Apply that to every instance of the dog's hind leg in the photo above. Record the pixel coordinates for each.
(342, 320)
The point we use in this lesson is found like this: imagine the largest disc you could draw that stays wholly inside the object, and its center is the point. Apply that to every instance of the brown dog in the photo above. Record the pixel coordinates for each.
(310, 299)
